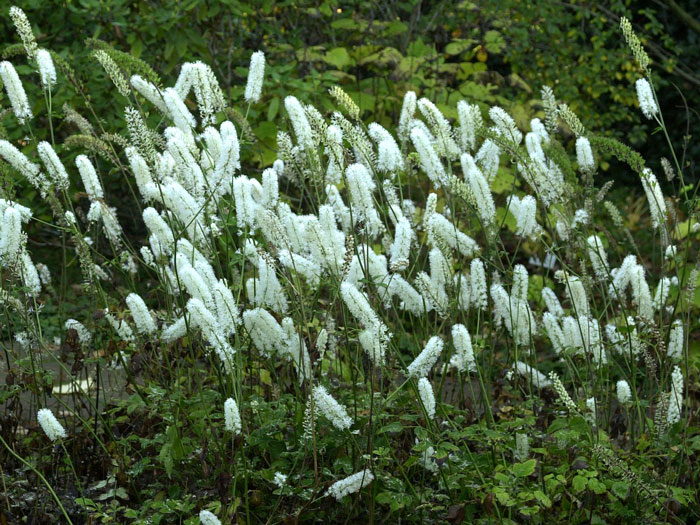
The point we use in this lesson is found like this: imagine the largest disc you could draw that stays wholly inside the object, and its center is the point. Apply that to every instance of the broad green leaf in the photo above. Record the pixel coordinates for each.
(458, 46)
(579, 483)
(524, 469)
(338, 57)
(597, 486)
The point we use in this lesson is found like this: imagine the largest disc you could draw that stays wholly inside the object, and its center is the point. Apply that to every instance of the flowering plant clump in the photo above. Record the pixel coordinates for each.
(372, 288)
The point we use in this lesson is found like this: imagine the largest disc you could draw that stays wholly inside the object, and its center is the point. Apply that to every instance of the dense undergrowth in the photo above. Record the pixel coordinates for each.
(449, 320)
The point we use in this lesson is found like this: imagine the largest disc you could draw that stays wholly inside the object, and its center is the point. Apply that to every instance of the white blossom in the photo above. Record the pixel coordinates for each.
(410, 299)
(522, 446)
(576, 292)
(30, 276)
(539, 380)
(661, 295)
(175, 331)
(427, 396)
(554, 331)
(84, 335)
(142, 175)
(469, 122)
(488, 159)
(22, 164)
(584, 155)
(232, 417)
(361, 188)
(657, 204)
(463, 359)
(676, 341)
(199, 77)
(264, 330)
(91, 182)
(177, 110)
(624, 393)
(389, 158)
(430, 162)
(141, 314)
(408, 110)
(279, 479)
(50, 425)
(253, 88)
(598, 257)
(201, 317)
(350, 485)
(421, 365)
(479, 187)
(329, 408)
(525, 212)
(300, 123)
(520, 283)
(646, 98)
(150, 93)
(207, 518)
(400, 249)
(675, 403)
(552, 302)
(53, 164)
(11, 242)
(537, 127)
(479, 293)
(442, 229)
(24, 30)
(227, 313)
(15, 92)
(47, 71)
(444, 144)
(161, 232)
(505, 124)
(592, 414)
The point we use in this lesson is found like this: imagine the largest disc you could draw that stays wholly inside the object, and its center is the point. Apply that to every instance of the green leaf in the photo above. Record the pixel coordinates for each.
(458, 46)
(597, 486)
(493, 42)
(395, 28)
(543, 498)
(579, 483)
(338, 57)
(345, 23)
(394, 426)
(522, 470)
(177, 451)
(503, 496)
(620, 489)
(166, 458)
(86, 502)
(273, 108)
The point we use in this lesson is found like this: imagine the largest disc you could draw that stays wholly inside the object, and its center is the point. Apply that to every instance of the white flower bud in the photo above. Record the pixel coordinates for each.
(256, 73)
(50, 425)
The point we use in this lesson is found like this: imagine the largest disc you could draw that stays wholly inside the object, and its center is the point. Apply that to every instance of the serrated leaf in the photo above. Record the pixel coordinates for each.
(166, 459)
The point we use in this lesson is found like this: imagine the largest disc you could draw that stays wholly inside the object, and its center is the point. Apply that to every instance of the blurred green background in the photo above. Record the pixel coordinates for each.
(487, 51)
